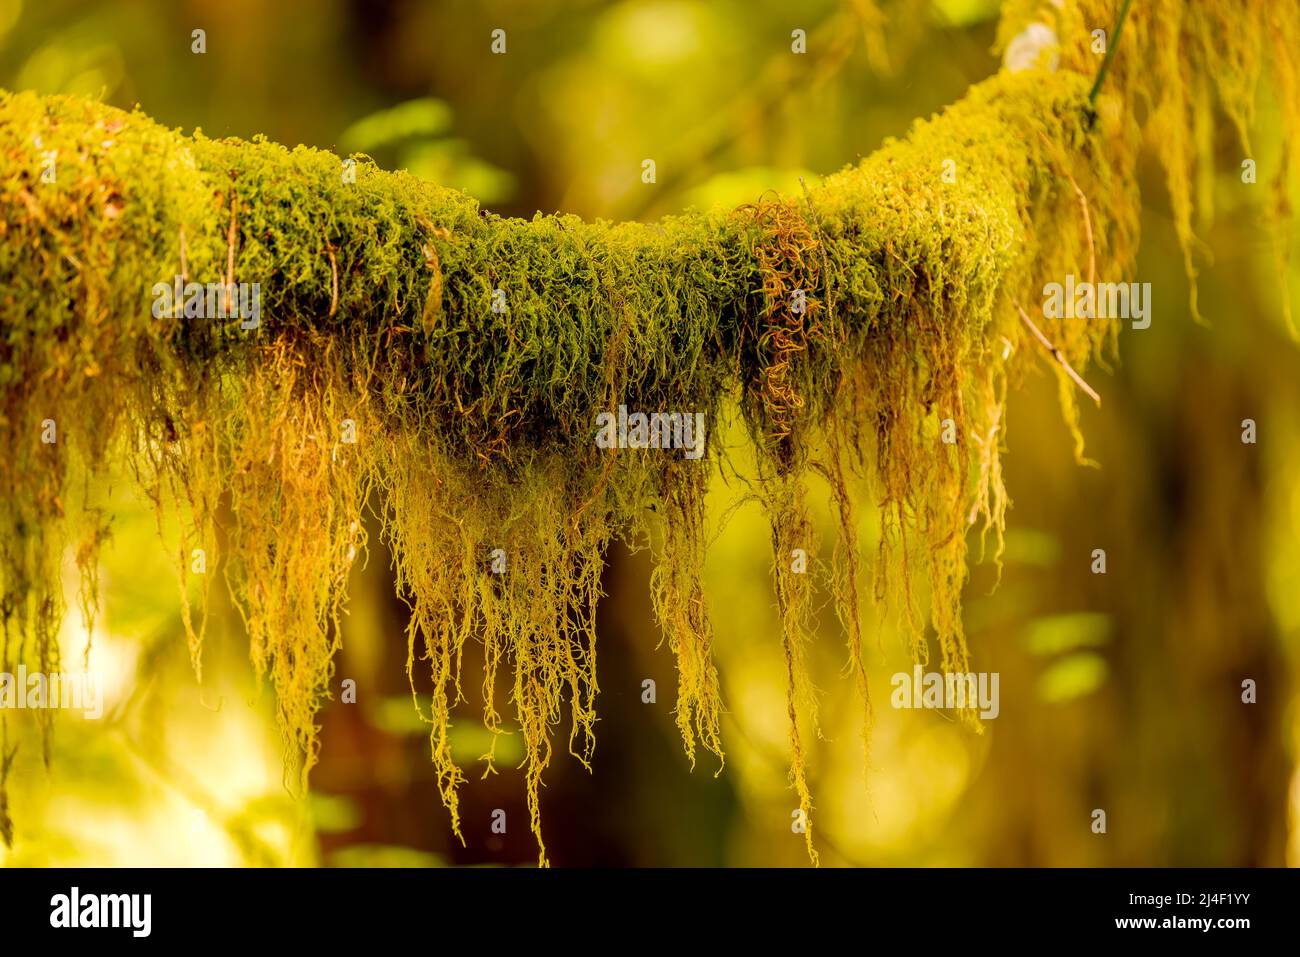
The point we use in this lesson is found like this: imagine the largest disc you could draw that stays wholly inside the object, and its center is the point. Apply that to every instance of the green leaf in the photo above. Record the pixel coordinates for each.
(1055, 634)
(1072, 677)
(424, 117)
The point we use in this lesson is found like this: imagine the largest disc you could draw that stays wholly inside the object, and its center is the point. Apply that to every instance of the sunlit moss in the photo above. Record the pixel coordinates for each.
(854, 326)
(1176, 65)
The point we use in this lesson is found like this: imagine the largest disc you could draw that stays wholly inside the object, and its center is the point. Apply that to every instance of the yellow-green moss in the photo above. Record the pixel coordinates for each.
(476, 427)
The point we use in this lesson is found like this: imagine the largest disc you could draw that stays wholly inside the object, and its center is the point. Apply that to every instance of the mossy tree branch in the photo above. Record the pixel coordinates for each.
(864, 332)
(871, 307)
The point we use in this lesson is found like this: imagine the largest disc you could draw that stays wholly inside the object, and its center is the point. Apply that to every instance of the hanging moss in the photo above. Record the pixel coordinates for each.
(455, 362)
(1177, 66)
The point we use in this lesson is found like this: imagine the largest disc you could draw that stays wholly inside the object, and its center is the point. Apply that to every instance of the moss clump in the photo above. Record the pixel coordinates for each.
(455, 362)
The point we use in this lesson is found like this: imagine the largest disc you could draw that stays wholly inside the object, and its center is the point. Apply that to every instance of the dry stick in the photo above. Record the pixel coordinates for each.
(1056, 354)
(1087, 226)
(334, 285)
(230, 251)
(433, 301)
(1083, 205)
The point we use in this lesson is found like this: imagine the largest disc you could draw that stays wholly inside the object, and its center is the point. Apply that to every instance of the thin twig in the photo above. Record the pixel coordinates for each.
(1083, 205)
(1056, 354)
(334, 285)
(1110, 52)
(1087, 226)
(230, 252)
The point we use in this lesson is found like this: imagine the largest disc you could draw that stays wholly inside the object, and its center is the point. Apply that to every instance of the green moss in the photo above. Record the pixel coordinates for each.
(477, 426)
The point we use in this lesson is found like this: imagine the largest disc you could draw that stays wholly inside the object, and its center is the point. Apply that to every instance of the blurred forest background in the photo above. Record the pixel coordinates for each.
(1119, 691)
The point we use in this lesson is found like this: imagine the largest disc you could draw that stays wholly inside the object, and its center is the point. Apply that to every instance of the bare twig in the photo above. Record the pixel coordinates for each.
(1083, 205)
(1056, 354)
(230, 251)
(334, 285)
